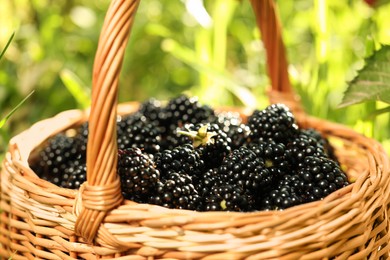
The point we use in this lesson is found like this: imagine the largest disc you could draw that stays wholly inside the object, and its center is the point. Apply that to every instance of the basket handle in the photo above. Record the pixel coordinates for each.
(101, 193)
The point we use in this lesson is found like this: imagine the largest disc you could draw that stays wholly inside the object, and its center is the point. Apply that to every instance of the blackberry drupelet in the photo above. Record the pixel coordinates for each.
(275, 122)
(138, 175)
(135, 130)
(176, 191)
(321, 176)
(182, 159)
(247, 170)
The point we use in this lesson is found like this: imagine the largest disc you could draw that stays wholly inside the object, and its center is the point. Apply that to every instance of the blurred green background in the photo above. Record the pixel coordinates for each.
(212, 51)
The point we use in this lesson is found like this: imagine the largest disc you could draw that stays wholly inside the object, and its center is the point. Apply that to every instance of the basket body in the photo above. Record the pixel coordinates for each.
(38, 218)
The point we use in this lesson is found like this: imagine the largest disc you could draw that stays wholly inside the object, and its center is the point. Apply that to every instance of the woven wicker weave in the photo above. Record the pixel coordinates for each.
(42, 221)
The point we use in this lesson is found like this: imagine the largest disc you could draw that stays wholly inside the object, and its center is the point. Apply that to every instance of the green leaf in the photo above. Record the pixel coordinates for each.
(372, 81)
(76, 87)
(7, 45)
(4, 120)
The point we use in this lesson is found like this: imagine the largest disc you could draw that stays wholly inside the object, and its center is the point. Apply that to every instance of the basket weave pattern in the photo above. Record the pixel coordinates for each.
(39, 220)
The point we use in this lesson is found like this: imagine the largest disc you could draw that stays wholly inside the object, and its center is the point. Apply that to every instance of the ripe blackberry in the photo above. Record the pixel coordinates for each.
(274, 156)
(207, 181)
(321, 141)
(275, 122)
(247, 170)
(81, 139)
(212, 143)
(176, 191)
(77, 175)
(133, 130)
(136, 130)
(182, 159)
(226, 119)
(55, 158)
(229, 197)
(231, 123)
(138, 175)
(174, 139)
(284, 195)
(305, 144)
(182, 110)
(321, 176)
(153, 110)
(238, 135)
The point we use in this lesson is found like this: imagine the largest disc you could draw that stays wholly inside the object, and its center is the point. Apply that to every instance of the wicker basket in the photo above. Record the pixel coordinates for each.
(42, 221)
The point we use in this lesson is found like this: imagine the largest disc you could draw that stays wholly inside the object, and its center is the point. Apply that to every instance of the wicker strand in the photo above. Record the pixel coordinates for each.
(101, 149)
(269, 25)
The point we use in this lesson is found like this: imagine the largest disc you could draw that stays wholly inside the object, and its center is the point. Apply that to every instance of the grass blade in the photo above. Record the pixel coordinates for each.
(4, 120)
(7, 45)
(76, 87)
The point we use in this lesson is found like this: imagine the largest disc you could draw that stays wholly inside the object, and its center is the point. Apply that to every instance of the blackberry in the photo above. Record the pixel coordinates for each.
(176, 191)
(231, 123)
(316, 178)
(274, 156)
(153, 110)
(321, 176)
(174, 139)
(305, 144)
(55, 158)
(284, 195)
(136, 130)
(229, 197)
(238, 135)
(182, 110)
(182, 159)
(321, 141)
(81, 139)
(212, 143)
(138, 175)
(226, 119)
(244, 168)
(77, 175)
(275, 122)
(207, 181)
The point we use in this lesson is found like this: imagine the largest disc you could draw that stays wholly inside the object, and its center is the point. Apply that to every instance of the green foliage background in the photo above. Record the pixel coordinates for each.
(219, 58)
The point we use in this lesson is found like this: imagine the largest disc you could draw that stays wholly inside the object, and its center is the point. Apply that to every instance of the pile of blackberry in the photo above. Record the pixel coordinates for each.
(184, 155)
